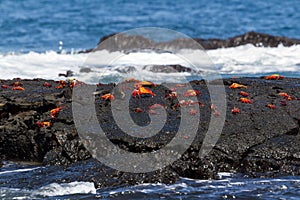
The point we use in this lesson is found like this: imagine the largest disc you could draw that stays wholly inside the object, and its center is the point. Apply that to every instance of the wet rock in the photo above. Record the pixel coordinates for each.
(87, 171)
(258, 141)
(167, 68)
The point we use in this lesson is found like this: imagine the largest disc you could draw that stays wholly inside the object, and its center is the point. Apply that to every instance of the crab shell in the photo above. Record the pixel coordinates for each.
(271, 106)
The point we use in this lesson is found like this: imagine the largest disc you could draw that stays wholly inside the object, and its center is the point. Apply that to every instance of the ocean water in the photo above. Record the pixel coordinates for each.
(40, 39)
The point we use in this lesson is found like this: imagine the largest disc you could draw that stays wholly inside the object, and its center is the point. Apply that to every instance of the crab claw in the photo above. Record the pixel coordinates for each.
(236, 86)
(245, 100)
(274, 77)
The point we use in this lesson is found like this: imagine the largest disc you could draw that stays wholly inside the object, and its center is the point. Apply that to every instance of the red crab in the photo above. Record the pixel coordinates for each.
(108, 96)
(46, 84)
(235, 110)
(55, 111)
(244, 94)
(271, 106)
(236, 86)
(142, 91)
(245, 100)
(4, 86)
(43, 124)
(274, 77)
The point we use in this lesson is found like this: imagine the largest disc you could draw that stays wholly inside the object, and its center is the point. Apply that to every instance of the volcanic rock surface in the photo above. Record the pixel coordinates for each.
(256, 141)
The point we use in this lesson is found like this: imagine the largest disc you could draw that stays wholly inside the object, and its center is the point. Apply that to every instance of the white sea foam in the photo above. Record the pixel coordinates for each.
(108, 66)
(55, 189)
(19, 170)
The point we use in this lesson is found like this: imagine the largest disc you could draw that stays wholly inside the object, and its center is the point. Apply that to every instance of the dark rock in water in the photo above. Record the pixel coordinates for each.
(257, 39)
(130, 42)
(85, 70)
(167, 68)
(258, 140)
(126, 69)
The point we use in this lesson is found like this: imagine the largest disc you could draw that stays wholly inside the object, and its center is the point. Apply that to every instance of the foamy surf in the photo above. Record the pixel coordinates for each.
(55, 189)
(115, 66)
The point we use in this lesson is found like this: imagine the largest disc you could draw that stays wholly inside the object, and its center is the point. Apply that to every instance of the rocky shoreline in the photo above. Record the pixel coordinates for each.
(259, 140)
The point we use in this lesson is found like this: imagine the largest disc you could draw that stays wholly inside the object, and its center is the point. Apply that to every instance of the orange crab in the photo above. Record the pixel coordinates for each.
(244, 94)
(43, 124)
(18, 88)
(235, 110)
(191, 93)
(236, 86)
(108, 96)
(142, 91)
(271, 106)
(55, 111)
(245, 100)
(283, 94)
(274, 77)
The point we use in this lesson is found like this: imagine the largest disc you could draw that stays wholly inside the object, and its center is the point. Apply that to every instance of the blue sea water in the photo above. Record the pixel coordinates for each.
(34, 33)
(30, 25)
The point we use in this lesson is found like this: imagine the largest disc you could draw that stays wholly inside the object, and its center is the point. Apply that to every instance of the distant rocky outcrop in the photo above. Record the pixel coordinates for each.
(122, 42)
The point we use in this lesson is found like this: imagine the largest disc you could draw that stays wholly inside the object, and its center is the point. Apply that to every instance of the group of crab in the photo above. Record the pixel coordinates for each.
(19, 86)
(142, 89)
(246, 100)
